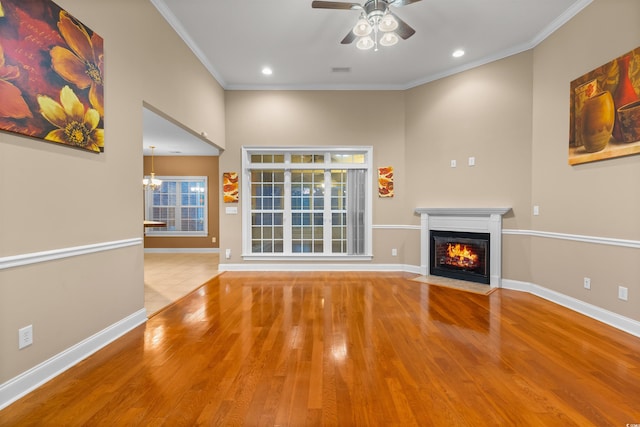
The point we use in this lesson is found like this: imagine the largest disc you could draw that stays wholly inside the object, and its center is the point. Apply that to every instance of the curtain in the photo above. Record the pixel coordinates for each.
(356, 191)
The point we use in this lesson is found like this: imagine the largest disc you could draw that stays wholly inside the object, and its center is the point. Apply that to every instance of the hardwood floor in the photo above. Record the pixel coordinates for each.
(170, 276)
(349, 349)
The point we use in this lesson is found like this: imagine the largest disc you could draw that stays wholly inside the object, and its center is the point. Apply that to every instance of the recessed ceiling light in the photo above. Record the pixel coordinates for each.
(267, 71)
(458, 53)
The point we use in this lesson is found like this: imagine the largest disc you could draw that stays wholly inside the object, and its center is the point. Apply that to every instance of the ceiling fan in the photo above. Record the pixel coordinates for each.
(377, 18)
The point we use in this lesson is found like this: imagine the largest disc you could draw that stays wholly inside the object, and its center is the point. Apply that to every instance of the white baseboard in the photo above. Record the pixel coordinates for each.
(605, 316)
(320, 267)
(33, 378)
(181, 250)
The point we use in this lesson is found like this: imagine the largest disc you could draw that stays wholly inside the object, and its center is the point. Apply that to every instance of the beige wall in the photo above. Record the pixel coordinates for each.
(189, 166)
(54, 197)
(598, 199)
(483, 113)
(316, 118)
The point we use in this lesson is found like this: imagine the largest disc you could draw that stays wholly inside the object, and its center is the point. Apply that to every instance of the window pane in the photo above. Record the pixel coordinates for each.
(181, 203)
(348, 158)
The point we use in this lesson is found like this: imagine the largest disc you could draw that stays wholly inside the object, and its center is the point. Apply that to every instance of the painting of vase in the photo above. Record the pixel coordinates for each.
(603, 113)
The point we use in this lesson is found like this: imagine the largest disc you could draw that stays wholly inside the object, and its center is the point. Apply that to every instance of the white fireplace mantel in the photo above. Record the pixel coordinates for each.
(473, 220)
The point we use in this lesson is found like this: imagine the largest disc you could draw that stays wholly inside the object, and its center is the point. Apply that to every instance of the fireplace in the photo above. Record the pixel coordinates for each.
(474, 221)
(460, 255)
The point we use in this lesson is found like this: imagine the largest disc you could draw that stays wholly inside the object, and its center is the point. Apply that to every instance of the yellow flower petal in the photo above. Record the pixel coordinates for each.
(71, 104)
(97, 138)
(91, 119)
(52, 111)
(57, 135)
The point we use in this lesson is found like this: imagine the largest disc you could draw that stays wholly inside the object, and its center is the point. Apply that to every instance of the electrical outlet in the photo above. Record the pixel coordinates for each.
(587, 283)
(25, 337)
(227, 253)
(213, 240)
(623, 293)
(394, 252)
(536, 210)
(454, 163)
(472, 161)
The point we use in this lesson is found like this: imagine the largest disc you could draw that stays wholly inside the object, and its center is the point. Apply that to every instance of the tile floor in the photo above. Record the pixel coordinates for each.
(170, 276)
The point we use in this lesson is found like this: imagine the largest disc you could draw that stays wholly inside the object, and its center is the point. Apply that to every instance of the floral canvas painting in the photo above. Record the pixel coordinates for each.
(51, 75)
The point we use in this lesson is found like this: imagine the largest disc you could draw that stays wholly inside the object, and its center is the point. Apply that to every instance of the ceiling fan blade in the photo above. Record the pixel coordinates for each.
(399, 3)
(404, 30)
(317, 4)
(349, 38)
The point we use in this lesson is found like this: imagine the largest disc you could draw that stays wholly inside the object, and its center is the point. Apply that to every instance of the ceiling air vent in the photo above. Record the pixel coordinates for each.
(341, 69)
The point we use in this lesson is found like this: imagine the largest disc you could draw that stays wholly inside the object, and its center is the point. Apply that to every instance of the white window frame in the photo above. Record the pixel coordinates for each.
(159, 231)
(245, 197)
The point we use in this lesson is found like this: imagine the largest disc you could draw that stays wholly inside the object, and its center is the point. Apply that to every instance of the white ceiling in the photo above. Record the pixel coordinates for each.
(235, 39)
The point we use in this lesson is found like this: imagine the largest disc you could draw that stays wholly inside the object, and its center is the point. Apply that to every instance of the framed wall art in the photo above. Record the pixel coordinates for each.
(385, 181)
(605, 111)
(51, 75)
(230, 191)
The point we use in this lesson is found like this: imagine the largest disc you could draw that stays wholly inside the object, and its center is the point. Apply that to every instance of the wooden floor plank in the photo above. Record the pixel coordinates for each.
(349, 349)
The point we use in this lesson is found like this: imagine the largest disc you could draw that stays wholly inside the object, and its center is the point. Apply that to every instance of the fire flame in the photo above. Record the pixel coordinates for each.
(462, 255)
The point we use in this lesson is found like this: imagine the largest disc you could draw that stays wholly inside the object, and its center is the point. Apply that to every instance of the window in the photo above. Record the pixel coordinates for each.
(306, 202)
(181, 203)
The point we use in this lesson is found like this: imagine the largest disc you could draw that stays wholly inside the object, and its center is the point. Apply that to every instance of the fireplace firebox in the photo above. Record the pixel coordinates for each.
(460, 255)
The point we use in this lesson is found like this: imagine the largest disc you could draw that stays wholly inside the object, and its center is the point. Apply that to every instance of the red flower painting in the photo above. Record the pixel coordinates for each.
(51, 75)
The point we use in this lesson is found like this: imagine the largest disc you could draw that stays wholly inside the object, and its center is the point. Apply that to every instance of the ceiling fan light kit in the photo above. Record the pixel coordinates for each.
(388, 39)
(376, 18)
(362, 28)
(365, 43)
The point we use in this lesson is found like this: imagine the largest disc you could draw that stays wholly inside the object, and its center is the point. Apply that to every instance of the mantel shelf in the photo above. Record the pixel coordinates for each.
(463, 211)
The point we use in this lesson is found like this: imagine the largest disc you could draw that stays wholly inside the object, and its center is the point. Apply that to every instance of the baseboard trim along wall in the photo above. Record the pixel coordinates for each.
(37, 257)
(29, 380)
(605, 316)
(181, 250)
(320, 267)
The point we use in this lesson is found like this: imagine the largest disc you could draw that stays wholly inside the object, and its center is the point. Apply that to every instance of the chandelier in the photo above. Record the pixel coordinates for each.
(151, 183)
(376, 28)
